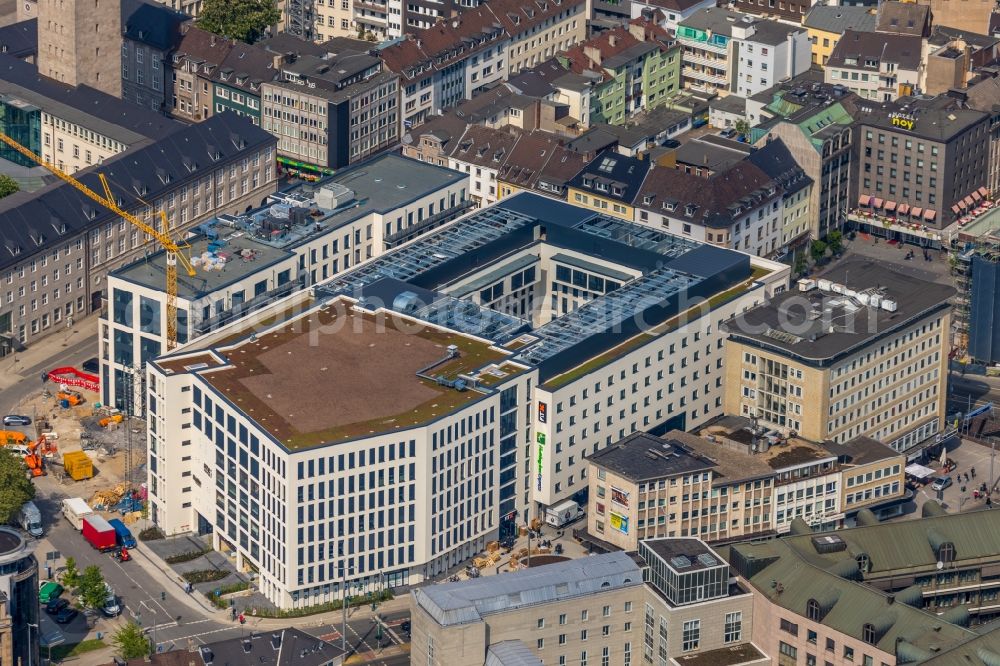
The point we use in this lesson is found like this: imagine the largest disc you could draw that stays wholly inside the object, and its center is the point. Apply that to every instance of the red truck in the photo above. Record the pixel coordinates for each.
(99, 533)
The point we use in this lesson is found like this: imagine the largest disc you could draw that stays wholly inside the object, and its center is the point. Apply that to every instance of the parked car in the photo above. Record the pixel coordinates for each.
(48, 591)
(66, 615)
(729, 132)
(16, 420)
(941, 483)
(56, 605)
(405, 626)
(111, 606)
(671, 143)
(91, 365)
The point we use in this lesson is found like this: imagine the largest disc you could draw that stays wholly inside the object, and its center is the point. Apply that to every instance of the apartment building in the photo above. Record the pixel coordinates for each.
(832, 363)
(335, 19)
(814, 120)
(481, 152)
(920, 161)
(728, 52)
(61, 246)
(609, 183)
(671, 12)
(236, 83)
(634, 68)
(196, 58)
(876, 66)
(538, 162)
(150, 31)
(331, 112)
(740, 206)
(458, 58)
(69, 127)
(775, 160)
(826, 24)
(599, 609)
(299, 238)
(490, 284)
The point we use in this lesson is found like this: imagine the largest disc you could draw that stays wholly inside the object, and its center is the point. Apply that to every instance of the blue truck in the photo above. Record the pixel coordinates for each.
(122, 534)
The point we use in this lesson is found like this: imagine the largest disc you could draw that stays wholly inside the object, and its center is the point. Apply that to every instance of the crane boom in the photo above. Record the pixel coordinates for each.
(108, 200)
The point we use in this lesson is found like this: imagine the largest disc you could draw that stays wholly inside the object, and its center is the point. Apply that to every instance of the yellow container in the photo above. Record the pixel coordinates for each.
(78, 465)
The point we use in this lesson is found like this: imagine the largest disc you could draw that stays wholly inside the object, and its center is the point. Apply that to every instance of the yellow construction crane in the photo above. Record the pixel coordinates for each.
(172, 248)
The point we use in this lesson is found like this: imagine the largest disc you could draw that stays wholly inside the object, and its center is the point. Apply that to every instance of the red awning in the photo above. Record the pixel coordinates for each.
(876, 202)
(984, 192)
(961, 202)
(890, 205)
(956, 209)
(969, 202)
(864, 200)
(904, 209)
(976, 196)
(916, 212)
(930, 214)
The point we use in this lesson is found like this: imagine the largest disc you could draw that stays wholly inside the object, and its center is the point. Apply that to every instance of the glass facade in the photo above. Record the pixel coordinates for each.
(23, 123)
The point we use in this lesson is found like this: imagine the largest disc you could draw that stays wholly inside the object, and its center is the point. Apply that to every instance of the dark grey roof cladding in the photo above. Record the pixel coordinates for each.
(86, 106)
(641, 456)
(31, 221)
(152, 24)
(786, 325)
(20, 40)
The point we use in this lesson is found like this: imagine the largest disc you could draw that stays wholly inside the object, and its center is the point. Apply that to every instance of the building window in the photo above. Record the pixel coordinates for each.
(868, 634)
(734, 627)
(691, 636)
(812, 610)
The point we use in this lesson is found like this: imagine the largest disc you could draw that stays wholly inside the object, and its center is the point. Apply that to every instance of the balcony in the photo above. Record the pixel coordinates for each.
(693, 44)
(704, 75)
(716, 62)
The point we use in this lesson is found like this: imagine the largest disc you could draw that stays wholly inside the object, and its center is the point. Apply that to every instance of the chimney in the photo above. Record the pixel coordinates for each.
(637, 30)
(612, 40)
(593, 54)
(211, 40)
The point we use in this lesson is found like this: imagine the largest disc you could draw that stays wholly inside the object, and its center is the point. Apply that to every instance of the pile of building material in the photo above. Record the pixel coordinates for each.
(105, 499)
(132, 517)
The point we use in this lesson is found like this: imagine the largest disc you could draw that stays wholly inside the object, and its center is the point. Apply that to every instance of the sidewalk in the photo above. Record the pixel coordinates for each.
(14, 366)
(160, 571)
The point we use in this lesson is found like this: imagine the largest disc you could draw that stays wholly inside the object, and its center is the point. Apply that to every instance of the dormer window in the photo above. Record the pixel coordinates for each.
(690, 209)
(588, 181)
(617, 191)
(647, 199)
(946, 553)
(813, 611)
(868, 634)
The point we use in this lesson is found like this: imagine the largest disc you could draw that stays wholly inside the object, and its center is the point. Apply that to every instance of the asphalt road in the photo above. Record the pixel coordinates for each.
(73, 354)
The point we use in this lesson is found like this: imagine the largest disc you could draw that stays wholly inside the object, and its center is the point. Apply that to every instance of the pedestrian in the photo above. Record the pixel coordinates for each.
(973, 472)
(232, 613)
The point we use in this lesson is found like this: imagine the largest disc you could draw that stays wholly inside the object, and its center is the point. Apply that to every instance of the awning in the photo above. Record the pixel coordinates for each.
(976, 196)
(864, 199)
(876, 202)
(919, 471)
(956, 209)
(916, 212)
(984, 192)
(930, 214)
(961, 202)
(890, 205)
(969, 201)
(904, 209)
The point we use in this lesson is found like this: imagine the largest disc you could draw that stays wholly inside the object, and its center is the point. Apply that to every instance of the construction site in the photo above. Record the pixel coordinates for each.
(90, 450)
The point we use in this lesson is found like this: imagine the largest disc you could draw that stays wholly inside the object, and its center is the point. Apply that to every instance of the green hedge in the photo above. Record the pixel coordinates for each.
(364, 600)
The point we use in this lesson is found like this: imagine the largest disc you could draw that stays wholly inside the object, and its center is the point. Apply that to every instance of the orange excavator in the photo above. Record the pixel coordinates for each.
(9, 437)
(36, 451)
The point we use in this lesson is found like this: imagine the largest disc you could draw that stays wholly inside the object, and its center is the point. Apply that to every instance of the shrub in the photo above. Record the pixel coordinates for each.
(151, 534)
(204, 576)
(185, 557)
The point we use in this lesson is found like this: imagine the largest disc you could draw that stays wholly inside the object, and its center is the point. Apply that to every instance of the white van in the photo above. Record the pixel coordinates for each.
(111, 607)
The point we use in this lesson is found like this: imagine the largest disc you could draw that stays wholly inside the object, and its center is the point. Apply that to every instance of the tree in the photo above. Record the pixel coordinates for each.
(15, 487)
(93, 592)
(245, 20)
(71, 576)
(800, 264)
(817, 250)
(7, 185)
(131, 642)
(743, 129)
(835, 239)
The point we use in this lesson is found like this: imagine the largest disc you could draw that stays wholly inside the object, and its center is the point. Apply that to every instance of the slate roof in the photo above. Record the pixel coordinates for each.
(627, 173)
(903, 50)
(984, 95)
(838, 19)
(83, 105)
(202, 46)
(561, 168)
(616, 47)
(471, 600)
(714, 199)
(861, 451)
(939, 119)
(250, 64)
(284, 44)
(484, 146)
(905, 18)
(527, 159)
(777, 162)
(20, 40)
(36, 221)
(151, 23)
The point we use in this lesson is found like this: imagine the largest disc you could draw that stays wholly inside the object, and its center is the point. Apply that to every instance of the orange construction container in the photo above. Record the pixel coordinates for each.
(78, 465)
